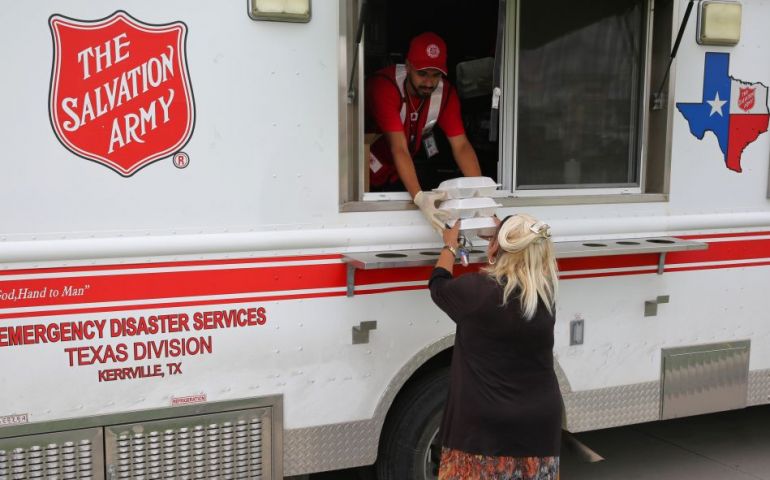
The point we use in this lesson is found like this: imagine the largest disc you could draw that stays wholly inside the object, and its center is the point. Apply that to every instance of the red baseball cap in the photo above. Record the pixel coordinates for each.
(427, 50)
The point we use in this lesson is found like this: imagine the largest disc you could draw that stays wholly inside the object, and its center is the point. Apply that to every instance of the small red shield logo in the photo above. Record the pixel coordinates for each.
(746, 99)
(120, 90)
(433, 51)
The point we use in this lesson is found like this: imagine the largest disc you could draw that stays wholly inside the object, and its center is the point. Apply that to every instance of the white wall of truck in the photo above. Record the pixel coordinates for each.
(255, 221)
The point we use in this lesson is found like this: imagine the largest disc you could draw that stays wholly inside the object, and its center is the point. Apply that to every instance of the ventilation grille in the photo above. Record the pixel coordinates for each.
(35, 457)
(225, 449)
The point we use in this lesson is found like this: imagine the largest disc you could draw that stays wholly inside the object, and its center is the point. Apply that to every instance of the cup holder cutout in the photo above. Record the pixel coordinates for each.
(431, 254)
(391, 255)
(594, 244)
(627, 243)
(661, 240)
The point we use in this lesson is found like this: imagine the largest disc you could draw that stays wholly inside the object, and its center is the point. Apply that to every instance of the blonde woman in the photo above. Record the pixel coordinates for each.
(502, 418)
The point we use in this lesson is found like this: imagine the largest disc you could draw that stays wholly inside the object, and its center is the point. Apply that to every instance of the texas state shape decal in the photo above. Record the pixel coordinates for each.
(732, 109)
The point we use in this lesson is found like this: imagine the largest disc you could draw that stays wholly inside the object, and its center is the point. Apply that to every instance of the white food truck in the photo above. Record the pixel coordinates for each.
(197, 281)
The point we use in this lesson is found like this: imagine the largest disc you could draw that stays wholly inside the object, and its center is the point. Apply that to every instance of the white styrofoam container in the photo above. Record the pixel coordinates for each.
(467, 187)
(480, 226)
(469, 207)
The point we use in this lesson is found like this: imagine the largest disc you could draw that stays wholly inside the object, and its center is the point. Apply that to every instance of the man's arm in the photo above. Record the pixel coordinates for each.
(465, 156)
(403, 161)
(425, 201)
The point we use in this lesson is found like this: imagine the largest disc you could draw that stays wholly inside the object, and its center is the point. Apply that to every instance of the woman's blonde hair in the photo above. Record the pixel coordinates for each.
(525, 259)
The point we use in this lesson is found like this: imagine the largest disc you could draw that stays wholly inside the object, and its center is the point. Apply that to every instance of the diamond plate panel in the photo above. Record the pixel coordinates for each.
(330, 447)
(759, 387)
(629, 404)
(612, 407)
(561, 377)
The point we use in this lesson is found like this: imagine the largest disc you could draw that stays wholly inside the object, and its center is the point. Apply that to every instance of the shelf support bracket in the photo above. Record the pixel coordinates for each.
(351, 280)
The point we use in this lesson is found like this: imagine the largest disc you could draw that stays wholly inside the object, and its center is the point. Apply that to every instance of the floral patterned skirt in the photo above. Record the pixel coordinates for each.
(458, 465)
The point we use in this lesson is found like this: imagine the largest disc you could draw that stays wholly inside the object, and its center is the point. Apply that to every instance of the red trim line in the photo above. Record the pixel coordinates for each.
(118, 308)
(192, 263)
(393, 289)
(616, 261)
(144, 287)
(266, 298)
(607, 274)
(716, 267)
(722, 235)
(723, 251)
(229, 301)
(160, 285)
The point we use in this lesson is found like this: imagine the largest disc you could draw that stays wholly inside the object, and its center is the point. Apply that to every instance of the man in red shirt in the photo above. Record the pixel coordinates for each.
(405, 103)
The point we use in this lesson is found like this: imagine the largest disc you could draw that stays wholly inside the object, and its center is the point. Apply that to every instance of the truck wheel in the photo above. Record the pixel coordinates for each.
(409, 445)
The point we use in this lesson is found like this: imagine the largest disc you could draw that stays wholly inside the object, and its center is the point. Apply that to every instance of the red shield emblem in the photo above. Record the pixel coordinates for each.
(120, 90)
(746, 99)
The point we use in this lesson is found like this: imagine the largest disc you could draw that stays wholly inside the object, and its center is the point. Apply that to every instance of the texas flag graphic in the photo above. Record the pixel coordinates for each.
(734, 110)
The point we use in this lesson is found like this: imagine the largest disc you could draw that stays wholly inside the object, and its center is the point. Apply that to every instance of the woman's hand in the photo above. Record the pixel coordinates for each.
(451, 235)
(446, 258)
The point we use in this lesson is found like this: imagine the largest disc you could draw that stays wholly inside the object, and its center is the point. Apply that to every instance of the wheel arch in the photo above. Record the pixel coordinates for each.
(436, 355)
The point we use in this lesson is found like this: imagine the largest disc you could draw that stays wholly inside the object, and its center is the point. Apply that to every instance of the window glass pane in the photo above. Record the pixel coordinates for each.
(580, 72)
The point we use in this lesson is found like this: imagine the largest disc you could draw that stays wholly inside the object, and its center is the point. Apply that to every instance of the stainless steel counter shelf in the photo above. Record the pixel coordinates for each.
(593, 248)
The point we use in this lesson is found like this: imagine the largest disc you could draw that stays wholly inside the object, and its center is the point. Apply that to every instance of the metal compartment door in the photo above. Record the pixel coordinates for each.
(225, 445)
(704, 378)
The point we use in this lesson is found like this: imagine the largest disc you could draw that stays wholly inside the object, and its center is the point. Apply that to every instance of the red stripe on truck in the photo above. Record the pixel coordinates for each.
(253, 280)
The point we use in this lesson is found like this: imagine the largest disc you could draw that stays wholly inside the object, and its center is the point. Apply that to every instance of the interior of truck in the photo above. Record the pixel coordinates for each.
(470, 31)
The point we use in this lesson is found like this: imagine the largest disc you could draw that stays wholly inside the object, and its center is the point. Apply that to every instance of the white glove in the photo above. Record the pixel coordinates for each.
(426, 202)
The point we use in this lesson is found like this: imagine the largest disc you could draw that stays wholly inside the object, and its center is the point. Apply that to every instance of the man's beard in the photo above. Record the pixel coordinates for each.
(425, 92)
(422, 92)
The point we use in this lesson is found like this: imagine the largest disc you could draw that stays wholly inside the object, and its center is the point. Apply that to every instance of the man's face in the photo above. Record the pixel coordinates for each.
(424, 82)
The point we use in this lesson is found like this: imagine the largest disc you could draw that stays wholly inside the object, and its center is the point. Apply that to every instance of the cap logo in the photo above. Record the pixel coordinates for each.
(433, 51)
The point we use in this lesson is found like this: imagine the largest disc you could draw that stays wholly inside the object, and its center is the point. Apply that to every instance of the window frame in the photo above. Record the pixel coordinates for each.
(509, 136)
(653, 140)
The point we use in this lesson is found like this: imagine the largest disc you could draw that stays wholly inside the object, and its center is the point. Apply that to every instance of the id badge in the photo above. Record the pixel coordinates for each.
(431, 148)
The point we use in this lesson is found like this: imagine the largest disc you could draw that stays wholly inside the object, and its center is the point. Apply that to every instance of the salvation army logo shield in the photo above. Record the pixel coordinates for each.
(120, 90)
(746, 99)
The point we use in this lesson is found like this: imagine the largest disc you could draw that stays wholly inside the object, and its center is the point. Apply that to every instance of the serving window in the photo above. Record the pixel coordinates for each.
(575, 80)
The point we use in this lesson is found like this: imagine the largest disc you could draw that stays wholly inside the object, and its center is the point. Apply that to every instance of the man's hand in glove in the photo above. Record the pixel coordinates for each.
(426, 202)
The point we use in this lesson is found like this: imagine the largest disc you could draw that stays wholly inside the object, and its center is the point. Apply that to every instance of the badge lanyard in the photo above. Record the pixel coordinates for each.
(428, 140)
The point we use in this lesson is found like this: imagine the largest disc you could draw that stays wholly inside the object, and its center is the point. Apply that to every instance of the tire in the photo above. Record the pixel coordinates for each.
(405, 451)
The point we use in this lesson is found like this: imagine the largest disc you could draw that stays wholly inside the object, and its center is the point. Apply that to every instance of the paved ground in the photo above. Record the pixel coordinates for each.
(722, 446)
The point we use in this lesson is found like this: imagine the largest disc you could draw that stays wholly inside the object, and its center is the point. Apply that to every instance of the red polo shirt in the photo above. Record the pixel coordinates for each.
(383, 109)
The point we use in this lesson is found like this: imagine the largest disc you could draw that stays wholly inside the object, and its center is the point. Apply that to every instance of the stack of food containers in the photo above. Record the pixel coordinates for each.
(468, 200)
